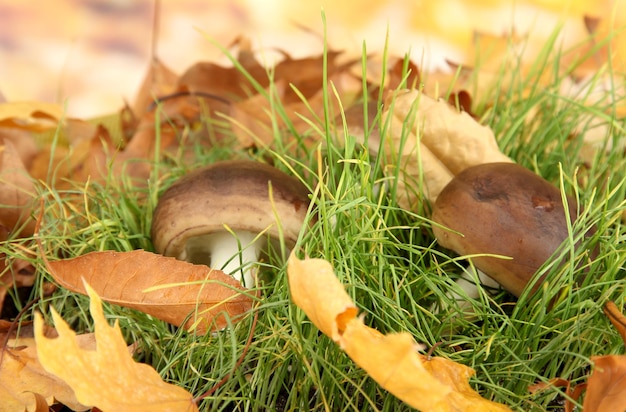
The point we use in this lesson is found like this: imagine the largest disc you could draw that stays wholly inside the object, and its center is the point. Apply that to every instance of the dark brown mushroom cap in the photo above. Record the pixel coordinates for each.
(503, 209)
(233, 193)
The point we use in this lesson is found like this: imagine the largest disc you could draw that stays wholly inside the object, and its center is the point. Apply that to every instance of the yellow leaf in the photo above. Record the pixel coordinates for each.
(108, 377)
(24, 383)
(35, 116)
(430, 385)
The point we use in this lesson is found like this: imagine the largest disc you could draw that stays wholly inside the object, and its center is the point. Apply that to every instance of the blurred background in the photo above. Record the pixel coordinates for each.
(93, 54)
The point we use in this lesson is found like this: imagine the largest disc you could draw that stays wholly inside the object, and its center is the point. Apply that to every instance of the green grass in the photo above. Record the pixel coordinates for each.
(387, 259)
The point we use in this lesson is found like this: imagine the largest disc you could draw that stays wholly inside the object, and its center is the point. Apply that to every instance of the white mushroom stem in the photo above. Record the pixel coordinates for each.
(467, 283)
(236, 254)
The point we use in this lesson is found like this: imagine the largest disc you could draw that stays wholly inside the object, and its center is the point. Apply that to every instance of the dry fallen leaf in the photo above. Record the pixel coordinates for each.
(430, 385)
(163, 287)
(160, 80)
(14, 273)
(429, 141)
(606, 387)
(17, 193)
(107, 377)
(617, 319)
(23, 381)
(34, 116)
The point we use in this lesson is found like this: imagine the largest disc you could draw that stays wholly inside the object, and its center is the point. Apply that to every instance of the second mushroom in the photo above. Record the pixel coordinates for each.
(222, 215)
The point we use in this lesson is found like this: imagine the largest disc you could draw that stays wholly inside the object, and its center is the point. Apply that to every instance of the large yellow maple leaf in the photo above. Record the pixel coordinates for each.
(108, 377)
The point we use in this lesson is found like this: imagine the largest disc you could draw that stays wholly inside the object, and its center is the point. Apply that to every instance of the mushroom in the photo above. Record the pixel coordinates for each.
(502, 209)
(219, 215)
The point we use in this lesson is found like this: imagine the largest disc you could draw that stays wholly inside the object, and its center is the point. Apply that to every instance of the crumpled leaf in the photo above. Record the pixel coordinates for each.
(163, 287)
(430, 142)
(34, 116)
(107, 377)
(23, 381)
(431, 385)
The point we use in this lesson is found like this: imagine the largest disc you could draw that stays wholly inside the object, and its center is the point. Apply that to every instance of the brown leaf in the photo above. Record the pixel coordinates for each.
(17, 192)
(88, 158)
(159, 81)
(14, 273)
(617, 318)
(307, 74)
(392, 360)
(606, 387)
(23, 142)
(163, 287)
(251, 121)
(213, 79)
(107, 377)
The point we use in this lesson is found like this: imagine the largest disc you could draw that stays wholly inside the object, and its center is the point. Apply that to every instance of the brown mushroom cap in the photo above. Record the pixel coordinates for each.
(503, 209)
(233, 193)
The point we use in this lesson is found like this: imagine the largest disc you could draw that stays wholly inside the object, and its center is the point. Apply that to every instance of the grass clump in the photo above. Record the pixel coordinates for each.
(388, 260)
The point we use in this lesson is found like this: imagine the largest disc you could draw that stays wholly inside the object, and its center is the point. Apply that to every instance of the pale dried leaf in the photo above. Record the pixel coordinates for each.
(24, 382)
(107, 377)
(430, 142)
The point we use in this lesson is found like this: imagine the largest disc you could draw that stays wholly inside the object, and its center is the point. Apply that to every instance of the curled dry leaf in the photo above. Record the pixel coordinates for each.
(429, 141)
(428, 384)
(107, 377)
(617, 318)
(166, 288)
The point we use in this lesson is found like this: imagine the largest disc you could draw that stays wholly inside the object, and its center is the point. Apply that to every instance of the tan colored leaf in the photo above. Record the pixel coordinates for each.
(107, 377)
(392, 360)
(606, 387)
(35, 116)
(429, 141)
(166, 288)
